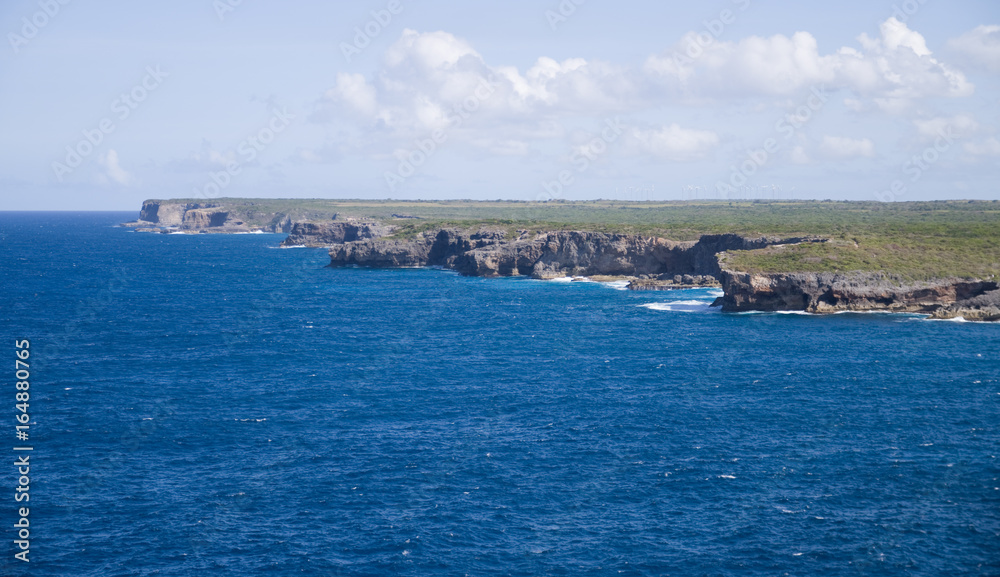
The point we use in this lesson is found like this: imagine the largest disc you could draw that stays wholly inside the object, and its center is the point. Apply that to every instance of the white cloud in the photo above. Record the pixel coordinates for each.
(980, 47)
(770, 66)
(435, 81)
(799, 156)
(840, 147)
(354, 91)
(960, 126)
(112, 168)
(896, 35)
(892, 70)
(671, 142)
(989, 147)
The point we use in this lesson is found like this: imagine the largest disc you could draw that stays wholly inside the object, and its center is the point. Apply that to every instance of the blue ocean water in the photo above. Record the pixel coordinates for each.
(213, 405)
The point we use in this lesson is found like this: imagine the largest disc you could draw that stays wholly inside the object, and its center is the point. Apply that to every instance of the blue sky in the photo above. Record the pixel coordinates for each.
(106, 104)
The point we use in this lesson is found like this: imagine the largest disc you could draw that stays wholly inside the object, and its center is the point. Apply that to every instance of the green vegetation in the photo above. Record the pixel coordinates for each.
(914, 240)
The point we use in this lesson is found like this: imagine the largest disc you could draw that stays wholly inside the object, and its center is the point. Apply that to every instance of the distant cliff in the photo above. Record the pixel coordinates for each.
(222, 216)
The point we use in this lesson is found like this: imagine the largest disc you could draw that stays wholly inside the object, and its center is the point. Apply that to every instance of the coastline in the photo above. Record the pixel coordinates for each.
(645, 262)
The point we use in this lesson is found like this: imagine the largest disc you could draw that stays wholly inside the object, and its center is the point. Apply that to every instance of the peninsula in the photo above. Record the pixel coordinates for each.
(935, 258)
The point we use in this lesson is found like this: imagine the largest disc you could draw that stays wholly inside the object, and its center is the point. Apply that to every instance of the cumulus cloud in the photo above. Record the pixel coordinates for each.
(435, 82)
(891, 70)
(960, 126)
(112, 168)
(671, 143)
(979, 47)
(354, 91)
(844, 148)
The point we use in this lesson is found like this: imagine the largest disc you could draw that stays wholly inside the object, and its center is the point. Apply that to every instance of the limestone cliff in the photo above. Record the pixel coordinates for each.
(858, 291)
(221, 217)
(492, 253)
(324, 234)
(652, 263)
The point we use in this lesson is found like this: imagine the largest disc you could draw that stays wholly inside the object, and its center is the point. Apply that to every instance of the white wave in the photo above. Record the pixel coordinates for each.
(876, 312)
(803, 313)
(679, 306)
(184, 233)
(717, 293)
(621, 285)
(952, 320)
(293, 246)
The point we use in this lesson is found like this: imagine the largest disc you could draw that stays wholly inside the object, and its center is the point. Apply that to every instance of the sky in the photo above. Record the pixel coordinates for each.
(106, 104)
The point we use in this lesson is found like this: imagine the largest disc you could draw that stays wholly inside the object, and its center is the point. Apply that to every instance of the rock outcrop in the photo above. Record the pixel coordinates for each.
(860, 291)
(177, 215)
(492, 253)
(657, 264)
(212, 217)
(324, 234)
(982, 307)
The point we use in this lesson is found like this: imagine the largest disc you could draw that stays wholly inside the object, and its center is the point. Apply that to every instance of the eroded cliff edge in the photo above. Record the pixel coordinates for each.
(652, 261)
(493, 253)
(222, 216)
(972, 299)
(649, 262)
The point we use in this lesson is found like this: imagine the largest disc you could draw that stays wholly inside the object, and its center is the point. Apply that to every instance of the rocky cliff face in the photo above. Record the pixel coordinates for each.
(325, 234)
(861, 291)
(492, 253)
(157, 216)
(173, 214)
(982, 307)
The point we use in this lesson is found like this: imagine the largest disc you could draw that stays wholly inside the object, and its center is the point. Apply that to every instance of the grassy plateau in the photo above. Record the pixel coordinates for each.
(914, 240)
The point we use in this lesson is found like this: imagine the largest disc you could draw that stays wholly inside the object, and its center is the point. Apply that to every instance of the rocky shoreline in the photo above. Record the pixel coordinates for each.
(649, 263)
(974, 300)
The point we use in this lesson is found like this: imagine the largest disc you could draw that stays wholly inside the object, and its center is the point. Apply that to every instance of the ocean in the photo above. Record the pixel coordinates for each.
(215, 405)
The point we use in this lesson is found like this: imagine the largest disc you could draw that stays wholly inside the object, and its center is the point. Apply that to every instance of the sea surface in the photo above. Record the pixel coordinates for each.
(214, 405)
